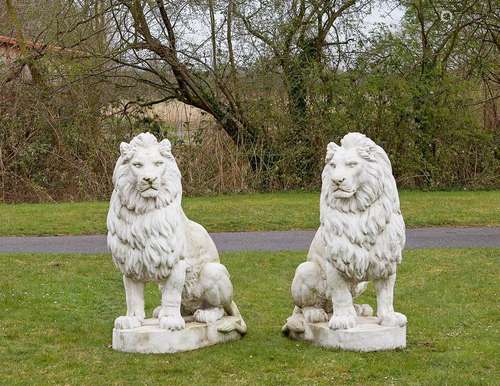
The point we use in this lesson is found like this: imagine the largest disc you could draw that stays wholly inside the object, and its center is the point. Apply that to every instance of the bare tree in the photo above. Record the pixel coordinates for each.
(186, 50)
(157, 40)
(447, 30)
(459, 35)
(304, 37)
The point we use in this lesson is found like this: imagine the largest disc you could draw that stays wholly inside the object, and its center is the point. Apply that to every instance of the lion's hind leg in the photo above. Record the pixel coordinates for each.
(216, 293)
(309, 296)
(309, 292)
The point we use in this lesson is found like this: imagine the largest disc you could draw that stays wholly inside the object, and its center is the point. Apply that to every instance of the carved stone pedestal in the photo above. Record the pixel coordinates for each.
(151, 339)
(368, 335)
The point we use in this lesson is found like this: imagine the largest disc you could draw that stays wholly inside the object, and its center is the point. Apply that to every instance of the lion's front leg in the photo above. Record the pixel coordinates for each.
(171, 295)
(344, 314)
(385, 307)
(134, 294)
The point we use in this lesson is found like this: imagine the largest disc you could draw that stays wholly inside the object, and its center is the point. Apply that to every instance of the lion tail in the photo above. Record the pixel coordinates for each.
(358, 289)
(240, 325)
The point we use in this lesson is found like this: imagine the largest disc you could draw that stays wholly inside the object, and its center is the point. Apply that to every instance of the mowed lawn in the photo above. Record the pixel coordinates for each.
(253, 212)
(58, 312)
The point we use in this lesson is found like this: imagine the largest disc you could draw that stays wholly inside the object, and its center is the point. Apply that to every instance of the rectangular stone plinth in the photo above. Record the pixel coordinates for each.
(151, 339)
(368, 335)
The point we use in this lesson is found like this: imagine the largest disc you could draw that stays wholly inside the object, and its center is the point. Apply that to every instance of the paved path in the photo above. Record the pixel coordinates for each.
(262, 241)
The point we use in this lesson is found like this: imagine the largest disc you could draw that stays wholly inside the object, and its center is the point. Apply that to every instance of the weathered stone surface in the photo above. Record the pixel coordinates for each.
(360, 239)
(368, 335)
(152, 240)
(151, 339)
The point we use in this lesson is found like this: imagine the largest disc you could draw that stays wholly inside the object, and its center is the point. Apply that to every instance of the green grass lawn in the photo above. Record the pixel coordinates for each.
(253, 212)
(58, 312)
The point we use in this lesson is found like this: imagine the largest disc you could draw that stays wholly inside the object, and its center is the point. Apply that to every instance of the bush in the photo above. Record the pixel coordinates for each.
(61, 143)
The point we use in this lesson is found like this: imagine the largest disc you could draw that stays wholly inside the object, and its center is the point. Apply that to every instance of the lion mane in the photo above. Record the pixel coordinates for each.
(145, 234)
(364, 234)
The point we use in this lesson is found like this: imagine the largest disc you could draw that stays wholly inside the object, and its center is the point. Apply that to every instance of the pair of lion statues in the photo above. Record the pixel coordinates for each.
(360, 239)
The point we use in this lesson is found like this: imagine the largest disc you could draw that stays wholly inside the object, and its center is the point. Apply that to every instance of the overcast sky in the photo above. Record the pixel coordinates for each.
(388, 15)
(385, 13)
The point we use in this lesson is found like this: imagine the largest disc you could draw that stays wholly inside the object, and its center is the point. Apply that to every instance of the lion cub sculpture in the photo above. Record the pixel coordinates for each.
(152, 240)
(360, 238)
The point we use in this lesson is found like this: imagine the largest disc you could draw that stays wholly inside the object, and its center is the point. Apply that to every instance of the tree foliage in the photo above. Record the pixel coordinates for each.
(280, 78)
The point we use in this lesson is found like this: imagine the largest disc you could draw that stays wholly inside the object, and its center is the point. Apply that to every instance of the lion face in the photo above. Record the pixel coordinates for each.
(146, 174)
(355, 173)
(343, 173)
(147, 171)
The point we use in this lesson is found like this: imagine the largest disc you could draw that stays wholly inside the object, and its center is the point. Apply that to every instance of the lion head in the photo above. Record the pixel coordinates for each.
(146, 175)
(356, 174)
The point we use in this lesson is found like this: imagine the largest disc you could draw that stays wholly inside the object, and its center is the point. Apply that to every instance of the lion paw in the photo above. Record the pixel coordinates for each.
(209, 315)
(392, 319)
(294, 323)
(127, 322)
(363, 309)
(314, 315)
(172, 323)
(342, 322)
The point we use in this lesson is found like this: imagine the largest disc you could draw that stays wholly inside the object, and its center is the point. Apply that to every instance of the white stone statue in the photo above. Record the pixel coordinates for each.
(152, 240)
(360, 239)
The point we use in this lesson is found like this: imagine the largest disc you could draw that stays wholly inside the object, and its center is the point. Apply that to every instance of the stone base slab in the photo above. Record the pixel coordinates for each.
(151, 339)
(368, 335)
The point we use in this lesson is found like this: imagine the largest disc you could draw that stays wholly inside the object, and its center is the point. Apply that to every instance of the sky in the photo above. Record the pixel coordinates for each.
(386, 14)
(381, 13)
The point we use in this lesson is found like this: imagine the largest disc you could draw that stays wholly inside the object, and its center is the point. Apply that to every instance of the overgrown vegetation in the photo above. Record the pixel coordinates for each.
(58, 313)
(274, 82)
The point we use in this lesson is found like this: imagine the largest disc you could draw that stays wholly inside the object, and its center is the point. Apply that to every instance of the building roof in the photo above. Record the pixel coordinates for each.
(12, 42)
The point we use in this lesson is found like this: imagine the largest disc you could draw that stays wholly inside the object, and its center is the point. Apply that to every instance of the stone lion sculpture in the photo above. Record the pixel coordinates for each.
(360, 239)
(152, 240)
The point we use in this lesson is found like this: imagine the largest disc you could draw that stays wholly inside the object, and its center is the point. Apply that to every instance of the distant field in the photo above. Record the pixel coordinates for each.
(58, 311)
(254, 212)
